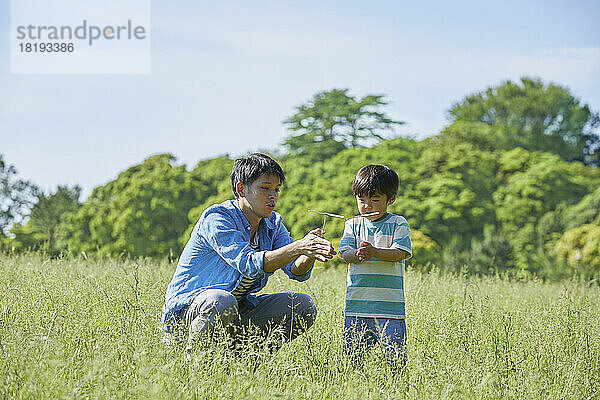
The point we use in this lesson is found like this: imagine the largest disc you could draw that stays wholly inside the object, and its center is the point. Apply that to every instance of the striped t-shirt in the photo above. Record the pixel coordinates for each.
(375, 288)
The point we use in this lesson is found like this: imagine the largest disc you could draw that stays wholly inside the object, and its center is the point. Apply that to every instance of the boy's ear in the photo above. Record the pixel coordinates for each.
(391, 199)
(239, 188)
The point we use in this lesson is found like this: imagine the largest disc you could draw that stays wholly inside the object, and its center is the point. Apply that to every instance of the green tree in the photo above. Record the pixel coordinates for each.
(553, 226)
(25, 237)
(587, 211)
(17, 196)
(426, 252)
(487, 254)
(534, 116)
(141, 213)
(579, 248)
(213, 177)
(451, 200)
(46, 215)
(563, 218)
(483, 136)
(534, 184)
(333, 120)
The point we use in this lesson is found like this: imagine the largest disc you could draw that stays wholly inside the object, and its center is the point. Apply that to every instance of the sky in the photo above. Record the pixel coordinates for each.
(224, 76)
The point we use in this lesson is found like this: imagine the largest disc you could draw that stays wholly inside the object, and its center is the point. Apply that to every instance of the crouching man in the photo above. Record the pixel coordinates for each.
(233, 250)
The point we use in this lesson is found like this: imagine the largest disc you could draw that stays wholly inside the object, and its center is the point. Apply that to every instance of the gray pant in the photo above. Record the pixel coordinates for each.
(288, 314)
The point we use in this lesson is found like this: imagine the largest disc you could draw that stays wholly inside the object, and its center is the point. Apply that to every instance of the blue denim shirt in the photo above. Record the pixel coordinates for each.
(218, 254)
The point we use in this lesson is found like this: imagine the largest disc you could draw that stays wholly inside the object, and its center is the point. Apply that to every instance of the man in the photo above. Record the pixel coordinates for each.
(232, 251)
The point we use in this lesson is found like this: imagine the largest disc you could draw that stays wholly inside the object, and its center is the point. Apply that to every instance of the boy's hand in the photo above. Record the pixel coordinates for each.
(366, 251)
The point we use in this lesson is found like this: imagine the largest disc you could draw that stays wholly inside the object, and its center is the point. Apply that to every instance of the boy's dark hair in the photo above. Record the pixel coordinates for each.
(375, 178)
(248, 169)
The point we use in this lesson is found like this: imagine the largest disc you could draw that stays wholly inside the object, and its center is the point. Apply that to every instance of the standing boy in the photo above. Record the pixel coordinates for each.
(375, 246)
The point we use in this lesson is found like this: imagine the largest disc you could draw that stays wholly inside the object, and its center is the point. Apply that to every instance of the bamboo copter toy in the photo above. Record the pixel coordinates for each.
(326, 214)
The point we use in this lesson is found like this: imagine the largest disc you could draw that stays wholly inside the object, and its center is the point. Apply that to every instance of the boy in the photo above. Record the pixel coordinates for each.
(375, 246)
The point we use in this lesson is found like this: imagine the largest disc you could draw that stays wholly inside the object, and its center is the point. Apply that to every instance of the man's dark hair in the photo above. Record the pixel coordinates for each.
(248, 169)
(375, 178)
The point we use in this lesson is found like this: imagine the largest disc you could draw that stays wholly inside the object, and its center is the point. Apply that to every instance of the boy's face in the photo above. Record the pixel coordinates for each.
(261, 196)
(378, 202)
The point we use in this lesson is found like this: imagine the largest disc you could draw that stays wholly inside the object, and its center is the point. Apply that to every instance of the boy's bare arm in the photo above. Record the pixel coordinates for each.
(390, 254)
(367, 251)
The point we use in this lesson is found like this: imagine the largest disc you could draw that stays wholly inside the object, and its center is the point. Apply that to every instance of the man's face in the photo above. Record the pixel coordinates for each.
(378, 202)
(262, 195)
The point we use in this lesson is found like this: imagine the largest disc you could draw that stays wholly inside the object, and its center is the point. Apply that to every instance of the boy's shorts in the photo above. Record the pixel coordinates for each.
(361, 334)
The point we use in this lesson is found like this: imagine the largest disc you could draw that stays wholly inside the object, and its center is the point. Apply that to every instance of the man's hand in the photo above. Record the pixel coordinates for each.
(303, 252)
(318, 232)
(313, 245)
(366, 251)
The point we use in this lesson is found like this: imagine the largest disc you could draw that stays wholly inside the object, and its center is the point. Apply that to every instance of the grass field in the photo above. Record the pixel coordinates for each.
(75, 328)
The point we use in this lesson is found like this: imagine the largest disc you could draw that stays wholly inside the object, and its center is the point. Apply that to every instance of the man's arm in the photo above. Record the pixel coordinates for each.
(223, 236)
(302, 265)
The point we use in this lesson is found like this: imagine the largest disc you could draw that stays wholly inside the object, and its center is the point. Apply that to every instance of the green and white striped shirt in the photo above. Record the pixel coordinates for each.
(375, 288)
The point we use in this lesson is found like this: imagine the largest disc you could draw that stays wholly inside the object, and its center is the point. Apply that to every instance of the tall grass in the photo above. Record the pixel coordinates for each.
(75, 328)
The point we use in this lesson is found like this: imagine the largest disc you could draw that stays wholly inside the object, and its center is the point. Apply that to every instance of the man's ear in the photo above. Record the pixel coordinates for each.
(239, 188)
(391, 199)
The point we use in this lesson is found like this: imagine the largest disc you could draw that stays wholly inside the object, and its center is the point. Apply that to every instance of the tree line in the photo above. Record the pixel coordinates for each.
(510, 185)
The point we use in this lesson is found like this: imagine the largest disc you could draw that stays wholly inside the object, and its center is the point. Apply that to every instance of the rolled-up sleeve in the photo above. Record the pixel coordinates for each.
(283, 238)
(224, 237)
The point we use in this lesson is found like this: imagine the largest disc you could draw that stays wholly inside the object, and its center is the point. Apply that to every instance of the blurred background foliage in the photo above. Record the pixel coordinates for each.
(510, 186)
